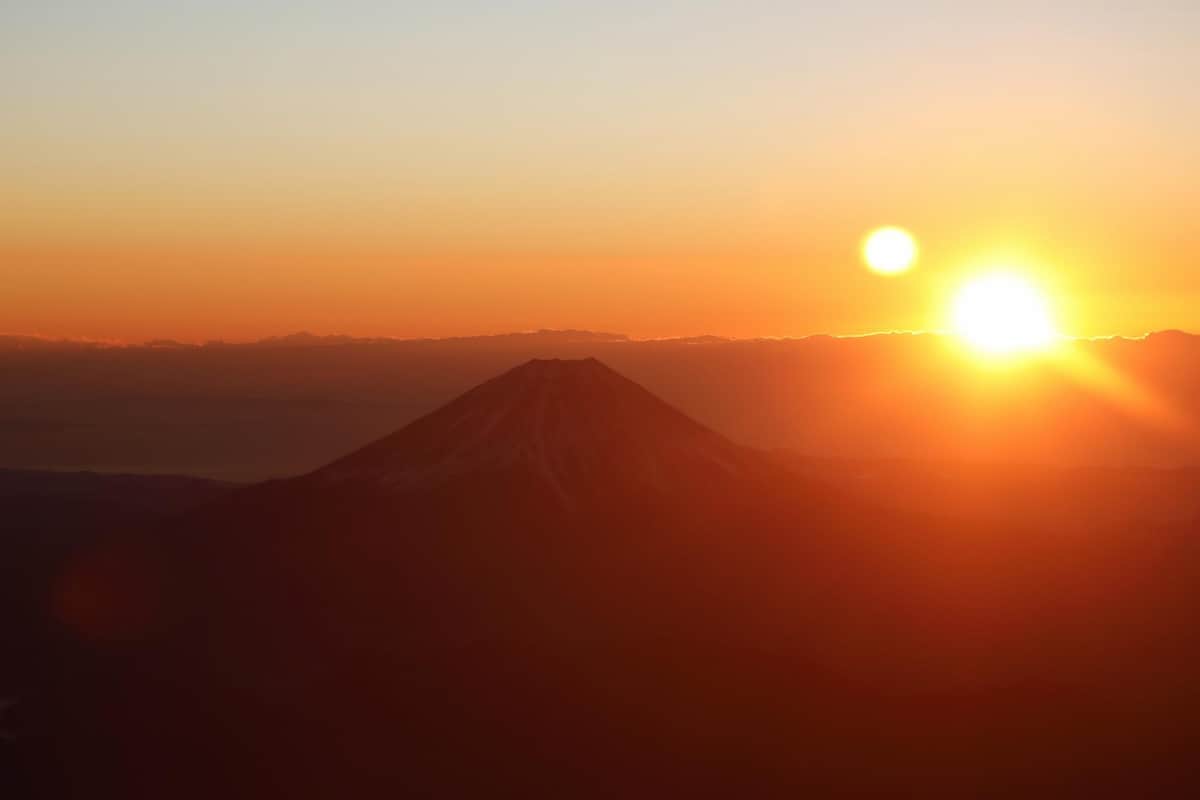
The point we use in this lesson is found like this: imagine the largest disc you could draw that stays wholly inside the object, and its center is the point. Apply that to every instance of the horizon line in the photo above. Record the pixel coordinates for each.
(305, 336)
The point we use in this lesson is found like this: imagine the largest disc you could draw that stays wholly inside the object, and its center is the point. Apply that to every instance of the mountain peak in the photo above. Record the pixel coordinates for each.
(561, 375)
(576, 427)
(552, 366)
(568, 363)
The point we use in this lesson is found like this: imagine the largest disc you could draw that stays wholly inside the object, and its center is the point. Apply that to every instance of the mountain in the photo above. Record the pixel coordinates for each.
(576, 428)
(469, 602)
(558, 584)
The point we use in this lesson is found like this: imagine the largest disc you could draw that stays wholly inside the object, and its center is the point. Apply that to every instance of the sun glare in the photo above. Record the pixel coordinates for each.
(1002, 314)
(890, 251)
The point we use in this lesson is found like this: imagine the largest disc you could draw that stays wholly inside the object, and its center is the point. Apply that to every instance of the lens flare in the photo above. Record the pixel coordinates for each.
(890, 251)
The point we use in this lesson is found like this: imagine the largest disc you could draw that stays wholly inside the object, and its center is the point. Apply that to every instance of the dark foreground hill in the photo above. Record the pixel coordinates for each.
(559, 585)
(48, 522)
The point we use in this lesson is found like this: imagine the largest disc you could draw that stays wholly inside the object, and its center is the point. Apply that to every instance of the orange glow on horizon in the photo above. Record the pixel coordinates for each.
(567, 171)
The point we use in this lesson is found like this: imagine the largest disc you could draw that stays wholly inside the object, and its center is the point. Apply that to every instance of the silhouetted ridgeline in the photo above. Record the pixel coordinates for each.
(283, 406)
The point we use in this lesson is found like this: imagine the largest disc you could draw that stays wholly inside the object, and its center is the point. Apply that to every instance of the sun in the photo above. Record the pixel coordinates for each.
(890, 251)
(1003, 313)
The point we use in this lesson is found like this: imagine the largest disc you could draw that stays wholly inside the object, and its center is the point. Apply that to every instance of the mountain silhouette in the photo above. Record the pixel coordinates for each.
(575, 426)
(557, 476)
(531, 569)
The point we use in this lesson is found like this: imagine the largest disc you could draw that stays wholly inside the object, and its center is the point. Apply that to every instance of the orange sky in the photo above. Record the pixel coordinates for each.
(243, 170)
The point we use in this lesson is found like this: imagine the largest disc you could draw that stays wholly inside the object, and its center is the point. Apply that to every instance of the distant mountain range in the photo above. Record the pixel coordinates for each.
(298, 339)
(281, 407)
(308, 339)
(558, 584)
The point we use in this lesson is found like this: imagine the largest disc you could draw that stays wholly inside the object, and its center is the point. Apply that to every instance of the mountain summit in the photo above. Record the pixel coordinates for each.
(576, 427)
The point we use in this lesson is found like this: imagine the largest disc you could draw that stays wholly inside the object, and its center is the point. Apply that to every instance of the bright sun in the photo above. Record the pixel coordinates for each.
(1003, 313)
(890, 251)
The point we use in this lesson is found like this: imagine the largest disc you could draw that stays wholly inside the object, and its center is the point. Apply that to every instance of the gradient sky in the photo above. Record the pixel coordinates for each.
(214, 169)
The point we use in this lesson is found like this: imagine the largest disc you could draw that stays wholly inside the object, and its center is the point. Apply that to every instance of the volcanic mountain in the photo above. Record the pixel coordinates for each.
(556, 480)
(502, 587)
(576, 429)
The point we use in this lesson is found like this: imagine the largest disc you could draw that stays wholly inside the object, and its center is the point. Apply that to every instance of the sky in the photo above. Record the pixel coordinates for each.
(202, 170)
